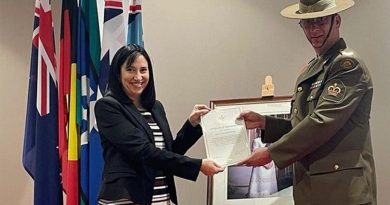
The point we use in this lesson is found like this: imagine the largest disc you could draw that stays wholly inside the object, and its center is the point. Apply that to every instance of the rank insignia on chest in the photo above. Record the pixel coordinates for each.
(315, 84)
(334, 90)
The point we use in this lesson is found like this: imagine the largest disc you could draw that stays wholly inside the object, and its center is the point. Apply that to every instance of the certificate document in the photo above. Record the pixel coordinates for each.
(225, 137)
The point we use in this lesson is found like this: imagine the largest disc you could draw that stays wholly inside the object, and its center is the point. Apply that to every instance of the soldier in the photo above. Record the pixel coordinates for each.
(328, 136)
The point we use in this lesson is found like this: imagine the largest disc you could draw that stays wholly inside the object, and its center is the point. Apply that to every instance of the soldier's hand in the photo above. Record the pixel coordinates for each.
(259, 157)
(252, 119)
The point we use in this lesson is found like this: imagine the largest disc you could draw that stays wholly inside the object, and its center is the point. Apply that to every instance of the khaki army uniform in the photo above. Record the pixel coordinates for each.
(328, 137)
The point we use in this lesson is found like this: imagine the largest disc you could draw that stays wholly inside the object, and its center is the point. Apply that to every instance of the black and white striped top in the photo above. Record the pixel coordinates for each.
(161, 193)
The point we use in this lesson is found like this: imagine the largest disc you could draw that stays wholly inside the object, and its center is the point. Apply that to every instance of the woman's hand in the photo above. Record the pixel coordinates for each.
(196, 113)
(209, 167)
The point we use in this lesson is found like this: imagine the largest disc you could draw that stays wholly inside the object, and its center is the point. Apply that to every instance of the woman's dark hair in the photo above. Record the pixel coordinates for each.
(129, 53)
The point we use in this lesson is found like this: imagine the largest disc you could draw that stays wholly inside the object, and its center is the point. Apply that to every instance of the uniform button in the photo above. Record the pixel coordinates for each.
(311, 97)
(299, 89)
(295, 110)
(336, 167)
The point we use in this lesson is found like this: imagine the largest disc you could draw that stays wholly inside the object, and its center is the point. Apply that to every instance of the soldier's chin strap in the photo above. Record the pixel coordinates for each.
(330, 30)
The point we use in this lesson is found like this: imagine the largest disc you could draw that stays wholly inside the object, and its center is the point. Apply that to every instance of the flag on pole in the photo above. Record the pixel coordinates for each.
(134, 32)
(82, 104)
(40, 153)
(84, 74)
(99, 63)
(114, 37)
(91, 150)
(69, 166)
(73, 140)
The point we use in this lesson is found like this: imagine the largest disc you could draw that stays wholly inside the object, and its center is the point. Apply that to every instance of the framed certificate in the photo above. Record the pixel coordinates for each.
(265, 185)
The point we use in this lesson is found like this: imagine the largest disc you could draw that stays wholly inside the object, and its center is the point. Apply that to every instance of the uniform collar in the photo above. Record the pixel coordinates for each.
(316, 65)
(339, 45)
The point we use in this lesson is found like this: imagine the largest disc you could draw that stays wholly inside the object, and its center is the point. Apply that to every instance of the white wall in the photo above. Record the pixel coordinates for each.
(201, 50)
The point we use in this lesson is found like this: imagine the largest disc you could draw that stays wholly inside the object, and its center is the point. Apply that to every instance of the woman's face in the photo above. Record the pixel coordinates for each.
(135, 78)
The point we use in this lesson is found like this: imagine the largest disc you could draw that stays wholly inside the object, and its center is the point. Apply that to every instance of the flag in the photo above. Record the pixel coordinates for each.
(134, 31)
(40, 153)
(68, 143)
(91, 150)
(73, 141)
(88, 45)
(99, 60)
(114, 37)
(68, 137)
(99, 63)
(82, 85)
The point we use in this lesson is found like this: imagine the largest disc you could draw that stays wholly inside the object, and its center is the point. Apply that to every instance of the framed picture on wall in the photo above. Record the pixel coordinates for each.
(265, 185)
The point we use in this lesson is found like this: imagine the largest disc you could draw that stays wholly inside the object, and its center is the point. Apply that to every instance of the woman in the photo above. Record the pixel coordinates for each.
(140, 154)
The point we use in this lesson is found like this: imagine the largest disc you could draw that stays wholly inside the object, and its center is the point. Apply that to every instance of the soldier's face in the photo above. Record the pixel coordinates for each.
(322, 32)
(316, 29)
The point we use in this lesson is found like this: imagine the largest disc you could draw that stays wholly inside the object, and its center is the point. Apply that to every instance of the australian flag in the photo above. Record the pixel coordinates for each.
(40, 153)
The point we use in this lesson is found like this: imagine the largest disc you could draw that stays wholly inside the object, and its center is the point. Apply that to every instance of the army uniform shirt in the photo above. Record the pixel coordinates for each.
(328, 136)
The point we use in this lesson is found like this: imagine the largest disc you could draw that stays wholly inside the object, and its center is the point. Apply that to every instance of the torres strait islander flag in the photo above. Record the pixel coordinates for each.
(40, 153)
(91, 151)
(91, 162)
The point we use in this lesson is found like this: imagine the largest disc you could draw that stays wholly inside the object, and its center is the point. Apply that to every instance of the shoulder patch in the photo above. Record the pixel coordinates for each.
(334, 91)
(348, 63)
